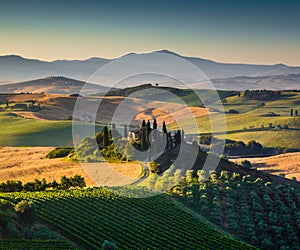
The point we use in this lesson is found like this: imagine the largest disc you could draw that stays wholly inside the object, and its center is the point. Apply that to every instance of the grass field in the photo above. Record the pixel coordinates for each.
(27, 163)
(237, 122)
(282, 138)
(240, 126)
(280, 105)
(16, 131)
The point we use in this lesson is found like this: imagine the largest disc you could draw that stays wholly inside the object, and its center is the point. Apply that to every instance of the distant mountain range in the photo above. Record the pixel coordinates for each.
(275, 82)
(15, 68)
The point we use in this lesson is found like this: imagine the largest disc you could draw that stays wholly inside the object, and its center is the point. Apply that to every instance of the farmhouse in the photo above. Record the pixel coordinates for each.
(134, 134)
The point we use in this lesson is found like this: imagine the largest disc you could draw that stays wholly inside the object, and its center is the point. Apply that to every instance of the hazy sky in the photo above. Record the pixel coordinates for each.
(255, 31)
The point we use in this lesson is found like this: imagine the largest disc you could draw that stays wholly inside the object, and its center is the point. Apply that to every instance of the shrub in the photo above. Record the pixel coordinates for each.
(26, 212)
(233, 111)
(107, 245)
(60, 152)
(246, 164)
(154, 167)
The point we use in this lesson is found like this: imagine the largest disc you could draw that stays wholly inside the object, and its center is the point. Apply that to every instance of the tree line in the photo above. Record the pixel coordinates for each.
(263, 95)
(294, 112)
(41, 185)
(157, 137)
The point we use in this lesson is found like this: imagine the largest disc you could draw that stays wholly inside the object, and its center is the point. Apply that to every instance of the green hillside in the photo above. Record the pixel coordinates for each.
(189, 96)
(16, 131)
(282, 138)
(236, 122)
(280, 105)
(90, 216)
(254, 122)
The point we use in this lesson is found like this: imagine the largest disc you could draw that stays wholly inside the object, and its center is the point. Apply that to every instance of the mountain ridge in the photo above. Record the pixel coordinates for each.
(166, 51)
(15, 68)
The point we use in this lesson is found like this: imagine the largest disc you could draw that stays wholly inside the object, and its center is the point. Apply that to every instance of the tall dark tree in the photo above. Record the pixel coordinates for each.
(154, 124)
(169, 138)
(125, 133)
(143, 124)
(143, 139)
(105, 136)
(178, 137)
(147, 133)
(164, 128)
(148, 126)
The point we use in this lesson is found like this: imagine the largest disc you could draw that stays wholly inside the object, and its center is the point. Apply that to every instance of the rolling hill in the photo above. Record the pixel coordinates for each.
(53, 85)
(60, 107)
(287, 164)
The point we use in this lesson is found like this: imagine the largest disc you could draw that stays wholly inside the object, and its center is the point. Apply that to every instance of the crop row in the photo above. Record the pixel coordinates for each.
(35, 244)
(90, 216)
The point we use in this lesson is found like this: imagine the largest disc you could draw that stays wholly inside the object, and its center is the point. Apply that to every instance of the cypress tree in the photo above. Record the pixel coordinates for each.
(147, 133)
(178, 137)
(105, 137)
(164, 128)
(169, 138)
(154, 124)
(143, 139)
(148, 126)
(143, 124)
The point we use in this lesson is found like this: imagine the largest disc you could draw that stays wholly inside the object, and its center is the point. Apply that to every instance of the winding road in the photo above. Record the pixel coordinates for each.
(145, 175)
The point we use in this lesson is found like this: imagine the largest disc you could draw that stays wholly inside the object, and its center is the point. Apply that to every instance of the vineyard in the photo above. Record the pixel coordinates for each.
(35, 244)
(89, 216)
(264, 214)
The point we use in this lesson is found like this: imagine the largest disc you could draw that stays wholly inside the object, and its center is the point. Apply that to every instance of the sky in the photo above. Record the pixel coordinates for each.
(233, 31)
